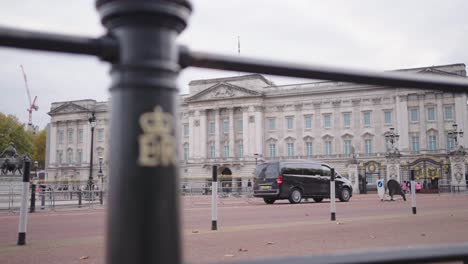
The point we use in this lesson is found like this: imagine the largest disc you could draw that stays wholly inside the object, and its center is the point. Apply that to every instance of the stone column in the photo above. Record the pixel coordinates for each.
(203, 134)
(461, 116)
(217, 133)
(401, 121)
(231, 132)
(245, 131)
(191, 133)
(353, 174)
(53, 143)
(259, 130)
(457, 169)
(393, 168)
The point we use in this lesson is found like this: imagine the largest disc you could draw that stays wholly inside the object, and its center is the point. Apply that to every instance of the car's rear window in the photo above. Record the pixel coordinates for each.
(267, 170)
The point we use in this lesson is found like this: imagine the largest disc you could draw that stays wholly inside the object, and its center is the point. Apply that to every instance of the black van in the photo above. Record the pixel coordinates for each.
(295, 180)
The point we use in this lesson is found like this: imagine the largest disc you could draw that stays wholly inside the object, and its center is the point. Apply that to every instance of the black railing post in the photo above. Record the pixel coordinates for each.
(143, 211)
(32, 208)
(80, 195)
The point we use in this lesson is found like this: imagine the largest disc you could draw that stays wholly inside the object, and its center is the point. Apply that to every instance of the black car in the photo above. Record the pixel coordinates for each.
(294, 180)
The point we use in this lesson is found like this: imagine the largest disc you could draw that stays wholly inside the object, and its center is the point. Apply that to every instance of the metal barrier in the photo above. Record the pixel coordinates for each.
(140, 45)
(49, 197)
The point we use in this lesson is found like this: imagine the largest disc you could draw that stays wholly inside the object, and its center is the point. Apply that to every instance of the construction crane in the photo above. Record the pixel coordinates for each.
(32, 104)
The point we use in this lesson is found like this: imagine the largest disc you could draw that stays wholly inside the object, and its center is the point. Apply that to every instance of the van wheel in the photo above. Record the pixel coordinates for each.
(269, 200)
(318, 200)
(345, 195)
(295, 196)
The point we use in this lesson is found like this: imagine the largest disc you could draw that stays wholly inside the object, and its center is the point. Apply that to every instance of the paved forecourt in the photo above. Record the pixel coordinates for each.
(250, 229)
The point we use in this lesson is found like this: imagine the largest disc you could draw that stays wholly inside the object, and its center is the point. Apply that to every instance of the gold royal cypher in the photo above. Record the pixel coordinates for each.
(157, 144)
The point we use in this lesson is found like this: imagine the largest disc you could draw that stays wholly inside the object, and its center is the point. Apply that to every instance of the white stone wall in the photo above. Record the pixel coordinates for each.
(253, 99)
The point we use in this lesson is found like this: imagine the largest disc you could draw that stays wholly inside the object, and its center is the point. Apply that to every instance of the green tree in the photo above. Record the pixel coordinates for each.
(40, 148)
(11, 130)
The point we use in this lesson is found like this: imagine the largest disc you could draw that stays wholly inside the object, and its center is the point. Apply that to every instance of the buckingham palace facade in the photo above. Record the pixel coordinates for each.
(236, 122)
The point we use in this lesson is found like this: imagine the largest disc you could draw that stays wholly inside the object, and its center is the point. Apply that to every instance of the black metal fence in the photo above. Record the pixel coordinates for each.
(140, 45)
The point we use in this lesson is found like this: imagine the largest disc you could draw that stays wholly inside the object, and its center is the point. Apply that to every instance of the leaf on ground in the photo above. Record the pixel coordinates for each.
(195, 231)
(339, 223)
(84, 257)
(229, 255)
(306, 214)
(423, 235)
(270, 243)
(372, 236)
(242, 250)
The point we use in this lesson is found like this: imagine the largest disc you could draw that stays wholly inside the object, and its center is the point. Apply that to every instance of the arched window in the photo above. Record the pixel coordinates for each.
(290, 148)
(432, 143)
(308, 143)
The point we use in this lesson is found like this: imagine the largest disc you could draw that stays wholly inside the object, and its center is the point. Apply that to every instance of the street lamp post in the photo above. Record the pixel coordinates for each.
(100, 174)
(454, 134)
(92, 122)
(36, 165)
(256, 157)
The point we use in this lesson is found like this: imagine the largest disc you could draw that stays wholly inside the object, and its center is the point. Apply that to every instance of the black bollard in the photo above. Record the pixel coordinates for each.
(214, 199)
(32, 208)
(24, 204)
(143, 202)
(80, 195)
(43, 196)
(332, 195)
(413, 192)
(101, 197)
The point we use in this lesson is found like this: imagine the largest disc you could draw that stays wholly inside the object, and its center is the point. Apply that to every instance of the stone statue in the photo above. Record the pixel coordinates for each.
(10, 151)
(10, 161)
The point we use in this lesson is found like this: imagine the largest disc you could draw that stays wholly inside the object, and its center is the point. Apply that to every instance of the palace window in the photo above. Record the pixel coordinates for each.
(70, 136)
(79, 156)
(226, 151)
(272, 148)
(70, 156)
(414, 143)
(290, 147)
(327, 120)
(80, 135)
(211, 127)
(366, 116)
(271, 123)
(212, 151)
(347, 144)
(60, 136)
(450, 142)
(388, 117)
(289, 122)
(368, 146)
(226, 126)
(59, 157)
(414, 115)
(431, 115)
(186, 130)
(240, 126)
(308, 122)
(432, 142)
(448, 112)
(100, 135)
(241, 150)
(347, 120)
(309, 149)
(328, 147)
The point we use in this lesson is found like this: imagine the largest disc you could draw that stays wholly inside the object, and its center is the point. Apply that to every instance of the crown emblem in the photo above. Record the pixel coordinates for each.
(157, 144)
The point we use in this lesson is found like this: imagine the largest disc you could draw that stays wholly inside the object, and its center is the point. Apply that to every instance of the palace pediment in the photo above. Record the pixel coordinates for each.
(223, 91)
(68, 108)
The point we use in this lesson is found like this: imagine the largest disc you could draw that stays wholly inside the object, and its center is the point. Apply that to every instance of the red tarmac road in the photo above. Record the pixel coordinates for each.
(250, 229)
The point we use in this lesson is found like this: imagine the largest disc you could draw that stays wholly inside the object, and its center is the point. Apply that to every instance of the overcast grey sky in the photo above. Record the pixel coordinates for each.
(366, 34)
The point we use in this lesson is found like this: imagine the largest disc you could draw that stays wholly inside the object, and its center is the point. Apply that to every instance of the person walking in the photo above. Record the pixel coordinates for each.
(404, 187)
